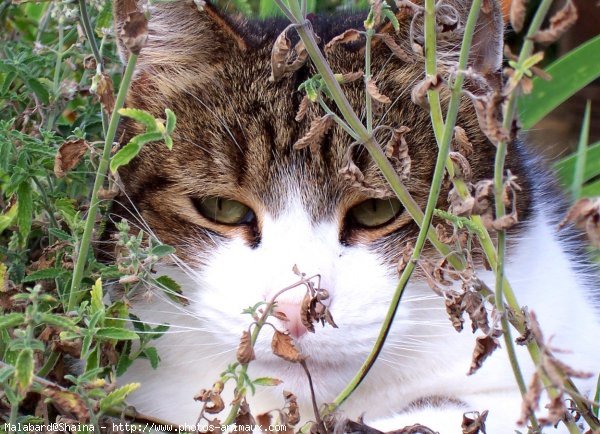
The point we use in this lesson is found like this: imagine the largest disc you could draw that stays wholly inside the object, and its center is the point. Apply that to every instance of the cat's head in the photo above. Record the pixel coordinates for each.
(243, 207)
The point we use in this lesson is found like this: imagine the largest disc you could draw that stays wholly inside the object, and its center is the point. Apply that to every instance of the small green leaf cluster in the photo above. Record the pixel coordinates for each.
(156, 131)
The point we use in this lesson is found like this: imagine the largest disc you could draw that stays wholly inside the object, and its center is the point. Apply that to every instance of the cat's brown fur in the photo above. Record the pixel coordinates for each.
(235, 128)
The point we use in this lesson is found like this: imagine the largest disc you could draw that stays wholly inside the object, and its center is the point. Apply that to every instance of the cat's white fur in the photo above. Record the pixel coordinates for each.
(423, 356)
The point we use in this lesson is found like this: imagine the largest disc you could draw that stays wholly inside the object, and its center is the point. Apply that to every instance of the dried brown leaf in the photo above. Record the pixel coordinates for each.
(484, 196)
(279, 55)
(291, 410)
(303, 109)
(213, 403)
(405, 255)
(419, 92)
(350, 35)
(244, 417)
(69, 402)
(317, 131)
(283, 346)
(505, 222)
(474, 306)
(484, 347)
(557, 411)
(396, 49)
(68, 155)
(349, 77)
(531, 400)
(105, 91)
(373, 90)
(518, 10)
(305, 316)
(474, 424)
(397, 149)
(489, 115)
(454, 308)
(462, 143)
(245, 351)
(585, 214)
(462, 166)
(459, 206)
(134, 33)
(560, 22)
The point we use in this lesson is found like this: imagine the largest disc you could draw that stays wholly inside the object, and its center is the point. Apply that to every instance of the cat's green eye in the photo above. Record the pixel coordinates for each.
(375, 212)
(224, 211)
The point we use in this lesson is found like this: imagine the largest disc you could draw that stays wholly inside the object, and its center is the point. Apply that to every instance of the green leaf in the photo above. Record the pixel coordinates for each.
(92, 361)
(6, 372)
(152, 355)
(171, 121)
(124, 156)
(142, 116)
(7, 219)
(267, 381)
(171, 288)
(115, 333)
(565, 168)
(61, 235)
(162, 250)
(582, 152)
(24, 370)
(131, 149)
(116, 397)
(268, 8)
(45, 274)
(39, 89)
(570, 73)
(96, 303)
(25, 210)
(58, 321)
(11, 320)
(389, 14)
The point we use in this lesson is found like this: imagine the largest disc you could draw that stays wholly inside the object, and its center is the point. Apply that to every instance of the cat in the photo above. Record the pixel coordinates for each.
(243, 208)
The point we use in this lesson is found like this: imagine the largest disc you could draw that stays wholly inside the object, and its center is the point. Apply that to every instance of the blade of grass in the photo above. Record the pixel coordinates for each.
(581, 153)
(570, 73)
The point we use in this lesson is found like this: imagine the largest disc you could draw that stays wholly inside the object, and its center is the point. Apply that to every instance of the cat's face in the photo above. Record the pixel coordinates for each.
(243, 208)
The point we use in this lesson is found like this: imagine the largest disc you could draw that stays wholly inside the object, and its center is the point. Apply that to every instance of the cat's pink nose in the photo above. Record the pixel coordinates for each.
(293, 324)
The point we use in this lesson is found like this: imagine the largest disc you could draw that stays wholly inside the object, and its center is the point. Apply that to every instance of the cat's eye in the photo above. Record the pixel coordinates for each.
(224, 211)
(375, 212)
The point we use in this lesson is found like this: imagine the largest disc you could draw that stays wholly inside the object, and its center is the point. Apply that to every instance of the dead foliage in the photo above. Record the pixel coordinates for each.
(68, 156)
(284, 59)
(585, 214)
(560, 22)
(134, 33)
(396, 149)
(474, 422)
(317, 131)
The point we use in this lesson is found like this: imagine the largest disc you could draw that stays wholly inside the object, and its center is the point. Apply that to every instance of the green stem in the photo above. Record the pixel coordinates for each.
(434, 193)
(100, 177)
(89, 32)
(368, 99)
(57, 73)
(582, 152)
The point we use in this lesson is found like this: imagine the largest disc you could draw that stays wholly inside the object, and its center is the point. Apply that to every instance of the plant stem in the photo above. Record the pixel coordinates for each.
(100, 177)
(368, 99)
(89, 33)
(582, 152)
(57, 73)
(434, 192)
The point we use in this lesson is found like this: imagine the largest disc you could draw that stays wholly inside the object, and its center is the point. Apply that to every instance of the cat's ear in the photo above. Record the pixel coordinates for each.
(488, 39)
(186, 39)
